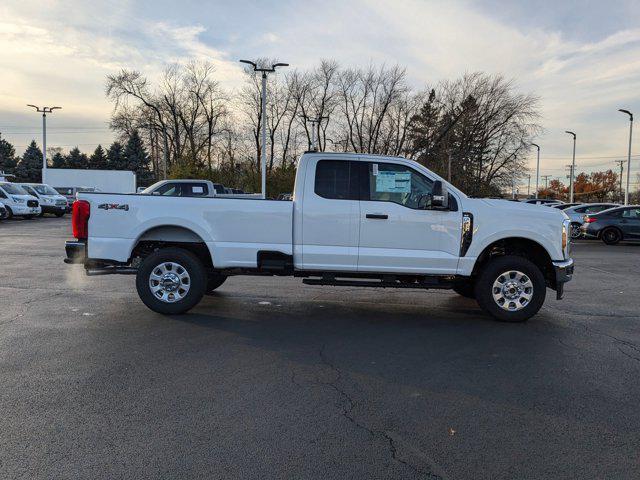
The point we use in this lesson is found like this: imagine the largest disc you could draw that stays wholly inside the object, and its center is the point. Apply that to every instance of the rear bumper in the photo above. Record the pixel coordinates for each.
(564, 274)
(76, 251)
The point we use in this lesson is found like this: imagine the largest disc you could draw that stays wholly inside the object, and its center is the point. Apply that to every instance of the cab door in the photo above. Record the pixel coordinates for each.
(330, 217)
(397, 234)
(630, 223)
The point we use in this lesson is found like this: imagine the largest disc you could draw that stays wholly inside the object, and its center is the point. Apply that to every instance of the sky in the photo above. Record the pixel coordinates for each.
(582, 58)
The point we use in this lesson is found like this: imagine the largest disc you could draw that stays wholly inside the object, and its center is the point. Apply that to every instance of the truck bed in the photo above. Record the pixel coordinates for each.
(234, 229)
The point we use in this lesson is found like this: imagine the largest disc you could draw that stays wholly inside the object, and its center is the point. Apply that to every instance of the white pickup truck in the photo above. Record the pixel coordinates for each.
(355, 220)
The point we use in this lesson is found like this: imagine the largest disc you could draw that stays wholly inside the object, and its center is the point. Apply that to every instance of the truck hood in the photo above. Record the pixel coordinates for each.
(520, 209)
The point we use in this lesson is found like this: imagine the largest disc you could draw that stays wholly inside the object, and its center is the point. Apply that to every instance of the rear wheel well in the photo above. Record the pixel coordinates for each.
(522, 247)
(168, 236)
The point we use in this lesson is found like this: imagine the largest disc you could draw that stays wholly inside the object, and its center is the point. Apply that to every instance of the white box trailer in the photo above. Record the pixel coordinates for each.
(111, 181)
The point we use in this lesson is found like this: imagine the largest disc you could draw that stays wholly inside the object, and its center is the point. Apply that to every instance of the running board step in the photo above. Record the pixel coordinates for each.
(376, 283)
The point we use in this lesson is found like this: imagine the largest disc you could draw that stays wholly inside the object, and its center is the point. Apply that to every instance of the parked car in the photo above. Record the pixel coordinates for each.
(70, 193)
(543, 201)
(50, 200)
(18, 202)
(237, 191)
(577, 212)
(356, 220)
(564, 206)
(614, 225)
(191, 188)
(3, 212)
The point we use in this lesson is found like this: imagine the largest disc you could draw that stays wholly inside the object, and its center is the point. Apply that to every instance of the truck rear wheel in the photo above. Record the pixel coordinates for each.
(171, 281)
(511, 288)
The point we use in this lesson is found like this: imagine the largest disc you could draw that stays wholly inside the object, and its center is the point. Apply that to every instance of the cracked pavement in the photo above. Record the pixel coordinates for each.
(269, 378)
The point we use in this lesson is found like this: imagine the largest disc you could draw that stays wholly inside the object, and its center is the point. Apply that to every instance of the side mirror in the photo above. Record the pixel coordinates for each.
(439, 196)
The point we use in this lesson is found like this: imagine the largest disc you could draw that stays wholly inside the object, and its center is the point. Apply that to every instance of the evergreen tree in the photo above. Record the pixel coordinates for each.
(115, 157)
(29, 168)
(98, 159)
(77, 159)
(137, 158)
(7, 157)
(58, 161)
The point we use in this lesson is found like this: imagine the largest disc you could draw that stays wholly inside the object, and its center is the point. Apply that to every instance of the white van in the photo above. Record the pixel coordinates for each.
(50, 200)
(18, 202)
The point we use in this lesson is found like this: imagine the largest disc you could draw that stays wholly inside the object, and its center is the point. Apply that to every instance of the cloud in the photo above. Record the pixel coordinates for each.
(61, 52)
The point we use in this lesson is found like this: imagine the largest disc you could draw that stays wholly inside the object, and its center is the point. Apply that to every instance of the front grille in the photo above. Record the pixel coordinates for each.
(61, 203)
(32, 203)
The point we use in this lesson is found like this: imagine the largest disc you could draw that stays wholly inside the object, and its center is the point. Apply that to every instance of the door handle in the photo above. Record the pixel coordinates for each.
(377, 216)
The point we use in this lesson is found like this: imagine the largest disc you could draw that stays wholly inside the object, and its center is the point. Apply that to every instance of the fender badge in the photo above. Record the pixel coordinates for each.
(114, 206)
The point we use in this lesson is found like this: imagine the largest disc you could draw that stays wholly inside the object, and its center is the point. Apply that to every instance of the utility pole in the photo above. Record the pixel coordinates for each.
(537, 167)
(528, 185)
(44, 111)
(314, 121)
(263, 162)
(546, 181)
(573, 166)
(621, 163)
(626, 192)
(570, 177)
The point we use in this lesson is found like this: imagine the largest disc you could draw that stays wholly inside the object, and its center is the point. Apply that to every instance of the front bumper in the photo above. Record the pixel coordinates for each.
(20, 210)
(76, 251)
(564, 273)
(54, 209)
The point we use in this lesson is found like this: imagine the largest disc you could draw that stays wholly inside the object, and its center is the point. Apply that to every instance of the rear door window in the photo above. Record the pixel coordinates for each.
(333, 179)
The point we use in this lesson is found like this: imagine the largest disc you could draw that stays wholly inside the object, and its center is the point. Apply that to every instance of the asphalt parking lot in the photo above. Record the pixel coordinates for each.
(273, 379)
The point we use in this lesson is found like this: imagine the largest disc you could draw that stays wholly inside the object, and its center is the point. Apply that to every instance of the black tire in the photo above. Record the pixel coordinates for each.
(496, 268)
(41, 214)
(575, 230)
(9, 214)
(214, 280)
(611, 235)
(60, 214)
(465, 288)
(196, 285)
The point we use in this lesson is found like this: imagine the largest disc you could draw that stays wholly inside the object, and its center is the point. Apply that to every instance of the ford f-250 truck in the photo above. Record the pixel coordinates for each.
(355, 220)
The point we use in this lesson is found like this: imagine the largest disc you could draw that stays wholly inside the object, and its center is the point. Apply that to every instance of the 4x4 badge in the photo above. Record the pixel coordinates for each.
(114, 206)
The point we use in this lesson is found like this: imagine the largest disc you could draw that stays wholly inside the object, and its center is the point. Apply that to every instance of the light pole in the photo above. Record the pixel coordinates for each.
(626, 192)
(314, 121)
(573, 166)
(44, 111)
(537, 167)
(263, 162)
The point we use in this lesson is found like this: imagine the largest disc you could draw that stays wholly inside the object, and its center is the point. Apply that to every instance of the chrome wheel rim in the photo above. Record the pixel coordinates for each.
(169, 282)
(512, 290)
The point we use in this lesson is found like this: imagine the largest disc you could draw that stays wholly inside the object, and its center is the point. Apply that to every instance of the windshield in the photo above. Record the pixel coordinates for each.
(64, 190)
(151, 188)
(12, 189)
(29, 190)
(45, 190)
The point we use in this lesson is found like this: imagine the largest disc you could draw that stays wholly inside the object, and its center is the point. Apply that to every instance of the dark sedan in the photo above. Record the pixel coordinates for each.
(614, 225)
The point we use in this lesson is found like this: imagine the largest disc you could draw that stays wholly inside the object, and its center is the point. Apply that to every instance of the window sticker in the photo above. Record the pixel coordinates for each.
(375, 169)
(393, 182)
(196, 189)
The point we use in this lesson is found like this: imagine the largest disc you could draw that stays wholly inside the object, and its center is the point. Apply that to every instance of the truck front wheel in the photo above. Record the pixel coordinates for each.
(511, 288)
(171, 281)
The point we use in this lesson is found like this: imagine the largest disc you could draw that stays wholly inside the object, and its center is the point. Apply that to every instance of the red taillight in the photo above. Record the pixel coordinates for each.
(80, 219)
(589, 219)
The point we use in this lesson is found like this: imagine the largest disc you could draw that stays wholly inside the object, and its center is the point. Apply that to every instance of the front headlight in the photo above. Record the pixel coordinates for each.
(19, 200)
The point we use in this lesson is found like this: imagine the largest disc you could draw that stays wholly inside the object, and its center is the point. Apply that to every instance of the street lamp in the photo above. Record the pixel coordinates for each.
(573, 166)
(314, 121)
(44, 111)
(263, 162)
(626, 192)
(537, 167)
